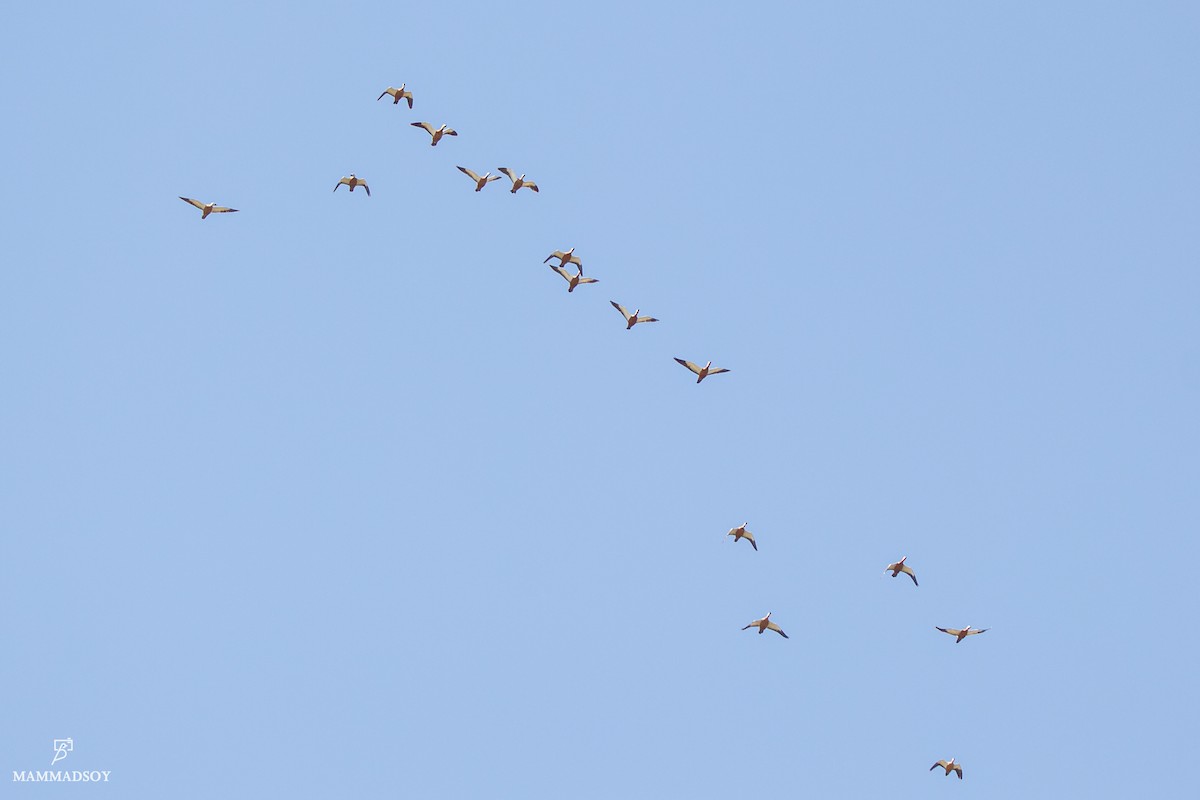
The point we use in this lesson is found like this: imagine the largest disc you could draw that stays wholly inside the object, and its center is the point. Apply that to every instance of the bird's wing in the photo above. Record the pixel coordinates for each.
(530, 185)
(951, 631)
(385, 93)
(428, 128)
(624, 314)
(750, 536)
(937, 764)
(589, 280)
(751, 625)
(339, 183)
(363, 184)
(717, 371)
(469, 174)
(574, 259)
(566, 275)
(907, 570)
(689, 365)
(222, 209)
(407, 96)
(973, 632)
(195, 203)
(511, 177)
(555, 254)
(959, 771)
(493, 178)
(450, 132)
(771, 626)
(647, 319)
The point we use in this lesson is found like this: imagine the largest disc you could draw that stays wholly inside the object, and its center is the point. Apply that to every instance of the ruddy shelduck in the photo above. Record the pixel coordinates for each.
(397, 95)
(518, 183)
(480, 180)
(631, 319)
(353, 181)
(740, 533)
(207, 208)
(950, 765)
(437, 133)
(899, 567)
(959, 635)
(765, 624)
(572, 280)
(568, 257)
(702, 372)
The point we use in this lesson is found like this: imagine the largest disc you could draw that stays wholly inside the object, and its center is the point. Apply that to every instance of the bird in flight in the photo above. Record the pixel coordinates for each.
(630, 319)
(740, 533)
(765, 624)
(950, 766)
(437, 133)
(568, 257)
(208, 208)
(572, 280)
(899, 567)
(353, 181)
(397, 95)
(518, 183)
(960, 635)
(480, 180)
(702, 372)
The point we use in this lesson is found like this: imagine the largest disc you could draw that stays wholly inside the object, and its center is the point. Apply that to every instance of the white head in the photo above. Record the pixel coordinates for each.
(709, 364)
(401, 89)
(572, 250)
(635, 313)
(901, 561)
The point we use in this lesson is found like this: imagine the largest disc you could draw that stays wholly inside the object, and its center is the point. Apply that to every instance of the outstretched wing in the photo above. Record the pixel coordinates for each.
(386, 92)
(951, 631)
(907, 570)
(647, 319)
(508, 172)
(689, 365)
(195, 203)
(368, 188)
(223, 210)
(717, 370)
(959, 771)
(469, 174)
(428, 128)
(973, 632)
(450, 132)
(937, 764)
(566, 275)
(408, 96)
(556, 254)
(771, 626)
(620, 308)
(530, 185)
(588, 280)
(750, 536)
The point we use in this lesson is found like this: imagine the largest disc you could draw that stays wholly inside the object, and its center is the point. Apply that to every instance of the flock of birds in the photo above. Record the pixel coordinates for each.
(575, 279)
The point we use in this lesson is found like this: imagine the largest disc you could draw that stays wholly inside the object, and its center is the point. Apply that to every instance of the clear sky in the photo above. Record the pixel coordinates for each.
(346, 496)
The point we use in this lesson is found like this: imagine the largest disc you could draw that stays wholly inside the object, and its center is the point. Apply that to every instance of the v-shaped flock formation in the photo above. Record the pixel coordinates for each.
(568, 259)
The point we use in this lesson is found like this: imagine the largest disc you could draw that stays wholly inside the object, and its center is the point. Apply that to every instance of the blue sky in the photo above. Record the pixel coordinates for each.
(347, 496)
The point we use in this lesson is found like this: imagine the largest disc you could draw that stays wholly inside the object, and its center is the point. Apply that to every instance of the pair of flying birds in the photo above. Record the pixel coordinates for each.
(403, 94)
(487, 177)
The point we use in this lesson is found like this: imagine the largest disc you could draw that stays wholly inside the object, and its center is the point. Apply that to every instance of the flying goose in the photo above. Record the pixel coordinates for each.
(704, 371)
(480, 181)
(630, 319)
(766, 624)
(396, 94)
(960, 635)
(436, 134)
(899, 567)
(949, 766)
(208, 208)
(520, 182)
(353, 181)
(565, 258)
(740, 533)
(573, 280)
